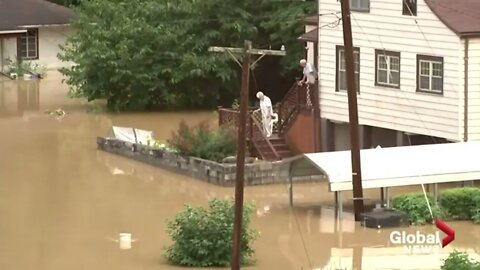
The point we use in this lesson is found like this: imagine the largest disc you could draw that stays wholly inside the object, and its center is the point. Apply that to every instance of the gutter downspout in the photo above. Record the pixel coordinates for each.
(1, 55)
(317, 133)
(465, 98)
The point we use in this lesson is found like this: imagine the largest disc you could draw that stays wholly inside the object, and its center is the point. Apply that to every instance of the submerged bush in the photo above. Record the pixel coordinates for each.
(203, 237)
(459, 261)
(460, 203)
(202, 142)
(476, 210)
(415, 207)
(454, 204)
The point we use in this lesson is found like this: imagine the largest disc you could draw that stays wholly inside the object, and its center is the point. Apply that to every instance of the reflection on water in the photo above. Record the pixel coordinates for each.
(16, 97)
(62, 201)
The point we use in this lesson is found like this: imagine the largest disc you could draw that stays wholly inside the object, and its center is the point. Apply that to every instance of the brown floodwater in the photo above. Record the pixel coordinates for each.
(62, 201)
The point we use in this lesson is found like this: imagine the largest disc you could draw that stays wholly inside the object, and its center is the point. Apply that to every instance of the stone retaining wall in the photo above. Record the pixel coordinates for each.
(258, 173)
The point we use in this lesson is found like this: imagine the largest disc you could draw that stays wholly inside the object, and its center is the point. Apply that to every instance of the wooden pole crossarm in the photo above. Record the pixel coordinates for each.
(256, 61)
(246, 52)
(250, 51)
(231, 51)
(234, 58)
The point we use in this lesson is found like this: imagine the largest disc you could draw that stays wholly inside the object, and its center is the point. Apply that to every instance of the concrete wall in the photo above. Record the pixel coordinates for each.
(205, 170)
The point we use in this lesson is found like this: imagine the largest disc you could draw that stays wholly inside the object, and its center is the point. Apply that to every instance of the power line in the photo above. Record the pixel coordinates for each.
(423, 122)
(307, 254)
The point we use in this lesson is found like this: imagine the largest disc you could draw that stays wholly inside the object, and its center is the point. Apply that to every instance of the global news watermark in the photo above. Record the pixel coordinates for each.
(421, 243)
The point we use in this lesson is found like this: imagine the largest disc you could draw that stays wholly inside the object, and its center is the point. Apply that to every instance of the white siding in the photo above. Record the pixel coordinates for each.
(474, 90)
(49, 38)
(310, 45)
(384, 27)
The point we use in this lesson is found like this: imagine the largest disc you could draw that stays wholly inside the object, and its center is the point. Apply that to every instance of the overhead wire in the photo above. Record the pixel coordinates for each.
(444, 78)
(419, 116)
(295, 217)
(408, 99)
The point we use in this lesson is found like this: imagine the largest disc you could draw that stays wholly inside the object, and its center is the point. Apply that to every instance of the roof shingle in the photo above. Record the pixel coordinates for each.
(18, 13)
(461, 16)
(312, 20)
(310, 36)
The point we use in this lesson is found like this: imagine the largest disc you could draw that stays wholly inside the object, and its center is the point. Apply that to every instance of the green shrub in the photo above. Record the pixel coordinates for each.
(21, 67)
(202, 142)
(415, 207)
(476, 209)
(203, 237)
(460, 203)
(459, 261)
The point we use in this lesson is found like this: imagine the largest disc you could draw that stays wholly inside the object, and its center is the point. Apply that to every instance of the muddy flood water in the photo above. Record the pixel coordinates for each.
(62, 201)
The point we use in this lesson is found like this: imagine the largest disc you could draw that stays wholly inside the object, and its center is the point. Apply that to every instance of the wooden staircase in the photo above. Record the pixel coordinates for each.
(281, 146)
(274, 147)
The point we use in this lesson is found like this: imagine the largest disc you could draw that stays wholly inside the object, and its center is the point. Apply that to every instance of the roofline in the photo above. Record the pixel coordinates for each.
(466, 34)
(309, 22)
(8, 32)
(44, 25)
(440, 18)
(303, 39)
(470, 35)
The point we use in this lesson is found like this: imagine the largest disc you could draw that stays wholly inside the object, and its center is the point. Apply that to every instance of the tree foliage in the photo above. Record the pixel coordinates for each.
(67, 3)
(140, 54)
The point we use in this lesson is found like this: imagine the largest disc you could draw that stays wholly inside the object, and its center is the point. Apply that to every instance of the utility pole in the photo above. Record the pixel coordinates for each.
(247, 51)
(353, 111)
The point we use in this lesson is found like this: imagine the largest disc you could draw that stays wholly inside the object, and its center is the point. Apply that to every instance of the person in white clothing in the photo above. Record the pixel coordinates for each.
(309, 73)
(267, 113)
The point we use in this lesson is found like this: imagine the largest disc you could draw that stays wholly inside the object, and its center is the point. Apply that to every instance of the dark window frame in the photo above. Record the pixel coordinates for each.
(352, 8)
(30, 32)
(406, 10)
(379, 52)
(429, 58)
(337, 68)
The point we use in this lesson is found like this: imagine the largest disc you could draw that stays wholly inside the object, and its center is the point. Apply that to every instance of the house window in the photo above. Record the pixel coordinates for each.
(341, 81)
(409, 7)
(360, 5)
(430, 74)
(387, 71)
(28, 45)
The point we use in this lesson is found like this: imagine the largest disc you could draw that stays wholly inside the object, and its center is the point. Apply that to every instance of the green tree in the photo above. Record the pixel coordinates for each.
(283, 26)
(67, 3)
(140, 54)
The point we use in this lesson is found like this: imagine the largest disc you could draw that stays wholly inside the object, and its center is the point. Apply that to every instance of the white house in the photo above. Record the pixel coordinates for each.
(33, 30)
(417, 70)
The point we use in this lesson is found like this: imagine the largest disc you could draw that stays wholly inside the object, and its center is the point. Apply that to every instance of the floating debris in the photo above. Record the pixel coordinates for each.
(124, 240)
(58, 112)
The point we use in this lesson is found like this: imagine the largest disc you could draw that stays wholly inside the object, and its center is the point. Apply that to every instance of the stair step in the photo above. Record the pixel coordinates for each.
(277, 141)
(281, 148)
(286, 153)
(282, 154)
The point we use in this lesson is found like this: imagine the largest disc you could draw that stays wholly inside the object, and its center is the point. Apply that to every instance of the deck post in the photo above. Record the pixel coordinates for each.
(387, 196)
(290, 190)
(339, 202)
(435, 193)
(382, 196)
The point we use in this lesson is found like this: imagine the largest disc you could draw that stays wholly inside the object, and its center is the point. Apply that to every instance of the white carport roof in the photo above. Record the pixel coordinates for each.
(395, 166)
